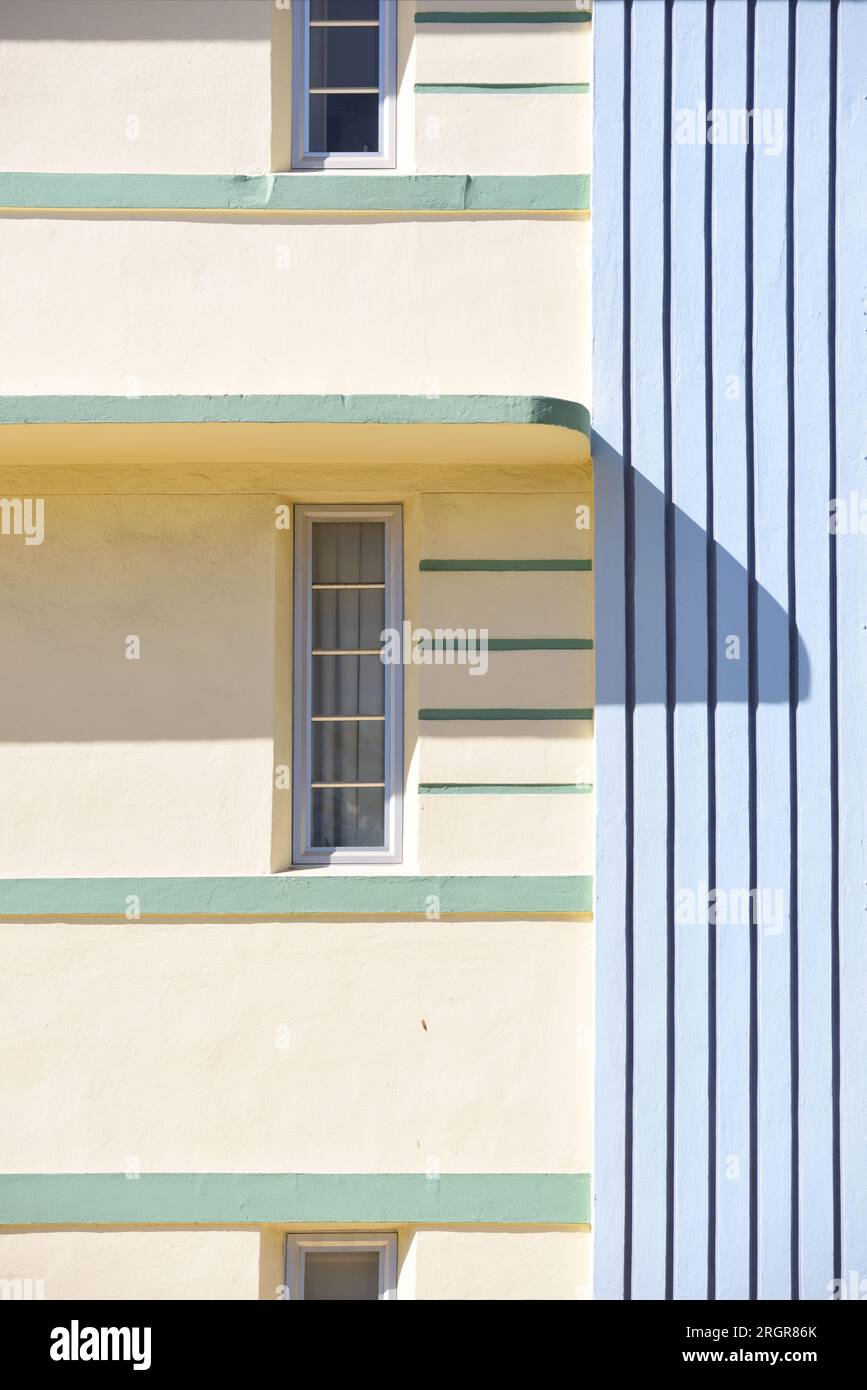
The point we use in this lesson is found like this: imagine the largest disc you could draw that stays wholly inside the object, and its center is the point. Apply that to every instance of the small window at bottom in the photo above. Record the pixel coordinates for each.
(341, 1268)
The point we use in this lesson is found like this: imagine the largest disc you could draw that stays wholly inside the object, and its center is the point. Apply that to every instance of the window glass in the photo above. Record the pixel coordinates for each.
(348, 743)
(344, 82)
(340, 1275)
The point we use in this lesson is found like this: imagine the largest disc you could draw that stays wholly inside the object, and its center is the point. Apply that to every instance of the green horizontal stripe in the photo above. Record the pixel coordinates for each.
(504, 788)
(473, 714)
(445, 88)
(513, 644)
(446, 566)
(48, 1199)
(294, 894)
(363, 193)
(307, 409)
(502, 17)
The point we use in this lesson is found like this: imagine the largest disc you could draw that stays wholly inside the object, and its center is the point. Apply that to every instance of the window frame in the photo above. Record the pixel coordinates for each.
(302, 158)
(297, 1246)
(303, 852)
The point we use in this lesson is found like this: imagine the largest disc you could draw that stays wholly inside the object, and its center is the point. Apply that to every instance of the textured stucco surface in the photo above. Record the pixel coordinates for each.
(175, 306)
(133, 1264)
(181, 1263)
(297, 1047)
(170, 86)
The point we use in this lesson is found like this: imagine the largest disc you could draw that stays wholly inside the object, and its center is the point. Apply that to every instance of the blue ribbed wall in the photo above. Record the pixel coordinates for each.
(729, 408)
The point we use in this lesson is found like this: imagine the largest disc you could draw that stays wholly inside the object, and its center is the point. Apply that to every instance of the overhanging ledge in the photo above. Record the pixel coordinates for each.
(306, 409)
(288, 428)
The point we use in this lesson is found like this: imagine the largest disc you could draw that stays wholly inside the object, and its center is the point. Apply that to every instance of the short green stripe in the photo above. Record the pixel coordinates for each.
(504, 788)
(361, 193)
(474, 714)
(48, 1199)
(301, 409)
(446, 88)
(294, 894)
(447, 566)
(502, 17)
(514, 644)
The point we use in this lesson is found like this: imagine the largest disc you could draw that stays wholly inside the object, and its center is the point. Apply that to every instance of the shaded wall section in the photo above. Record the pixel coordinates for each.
(731, 1095)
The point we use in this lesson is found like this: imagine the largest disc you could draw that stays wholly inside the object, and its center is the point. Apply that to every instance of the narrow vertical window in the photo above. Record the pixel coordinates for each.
(344, 73)
(337, 1268)
(348, 716)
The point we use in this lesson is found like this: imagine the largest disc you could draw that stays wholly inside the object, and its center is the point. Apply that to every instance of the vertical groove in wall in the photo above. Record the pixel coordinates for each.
(781, 1089)
(629, 626)
(793, 647)
(711, 667)
(832, 633)
(752, 657)
(670, 666)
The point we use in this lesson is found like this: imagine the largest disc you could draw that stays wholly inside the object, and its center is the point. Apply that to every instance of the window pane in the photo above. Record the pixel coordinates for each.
(348, 617)
(346, 817)
(341, 1275)
(344, 9)
(344, 57)
(344, 752)
(349, 552)
(348, 685)
(344, 124)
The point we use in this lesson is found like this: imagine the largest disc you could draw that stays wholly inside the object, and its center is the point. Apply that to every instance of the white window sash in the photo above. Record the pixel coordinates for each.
(297, 1246)
(304, 852)
(302, 158)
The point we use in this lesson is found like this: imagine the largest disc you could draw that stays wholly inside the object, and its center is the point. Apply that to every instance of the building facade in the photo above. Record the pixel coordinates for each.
(431, 862)
(728, 452)
(296, 836)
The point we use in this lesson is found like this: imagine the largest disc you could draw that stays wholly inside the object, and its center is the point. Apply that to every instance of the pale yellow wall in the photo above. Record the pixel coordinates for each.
(165, 764)
(495, 53)
(107, 1263)
(164, 1045)
(534, 834)
(458, 1262)
(507, 752)
(200, 306)
(503, 602)
(204, 86)
(121, 86)
(497, 523)
(161, 765)
(503, 133)
(526, 1265)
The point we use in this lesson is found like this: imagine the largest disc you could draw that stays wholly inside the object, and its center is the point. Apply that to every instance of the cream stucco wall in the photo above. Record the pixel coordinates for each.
(514, 1265)
(102, 1263)
(180, 305)
(502, 132)
(164, 763)
(204, 86)
(159, 764)
(168, 86)
(503, 53)
(364, 1045)
(297, 1046)
(463, 1262)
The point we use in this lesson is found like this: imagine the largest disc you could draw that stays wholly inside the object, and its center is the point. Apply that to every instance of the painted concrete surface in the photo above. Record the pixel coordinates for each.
(149, 643)
(251, 1047)
(226, 1264)
(148, 708)
(730, 655)
(126, 1264)
(183, 306)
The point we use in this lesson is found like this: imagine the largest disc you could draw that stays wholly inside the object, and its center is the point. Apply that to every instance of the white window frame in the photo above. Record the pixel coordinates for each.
(297, 1247)
(302, 158)
(303, 851)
